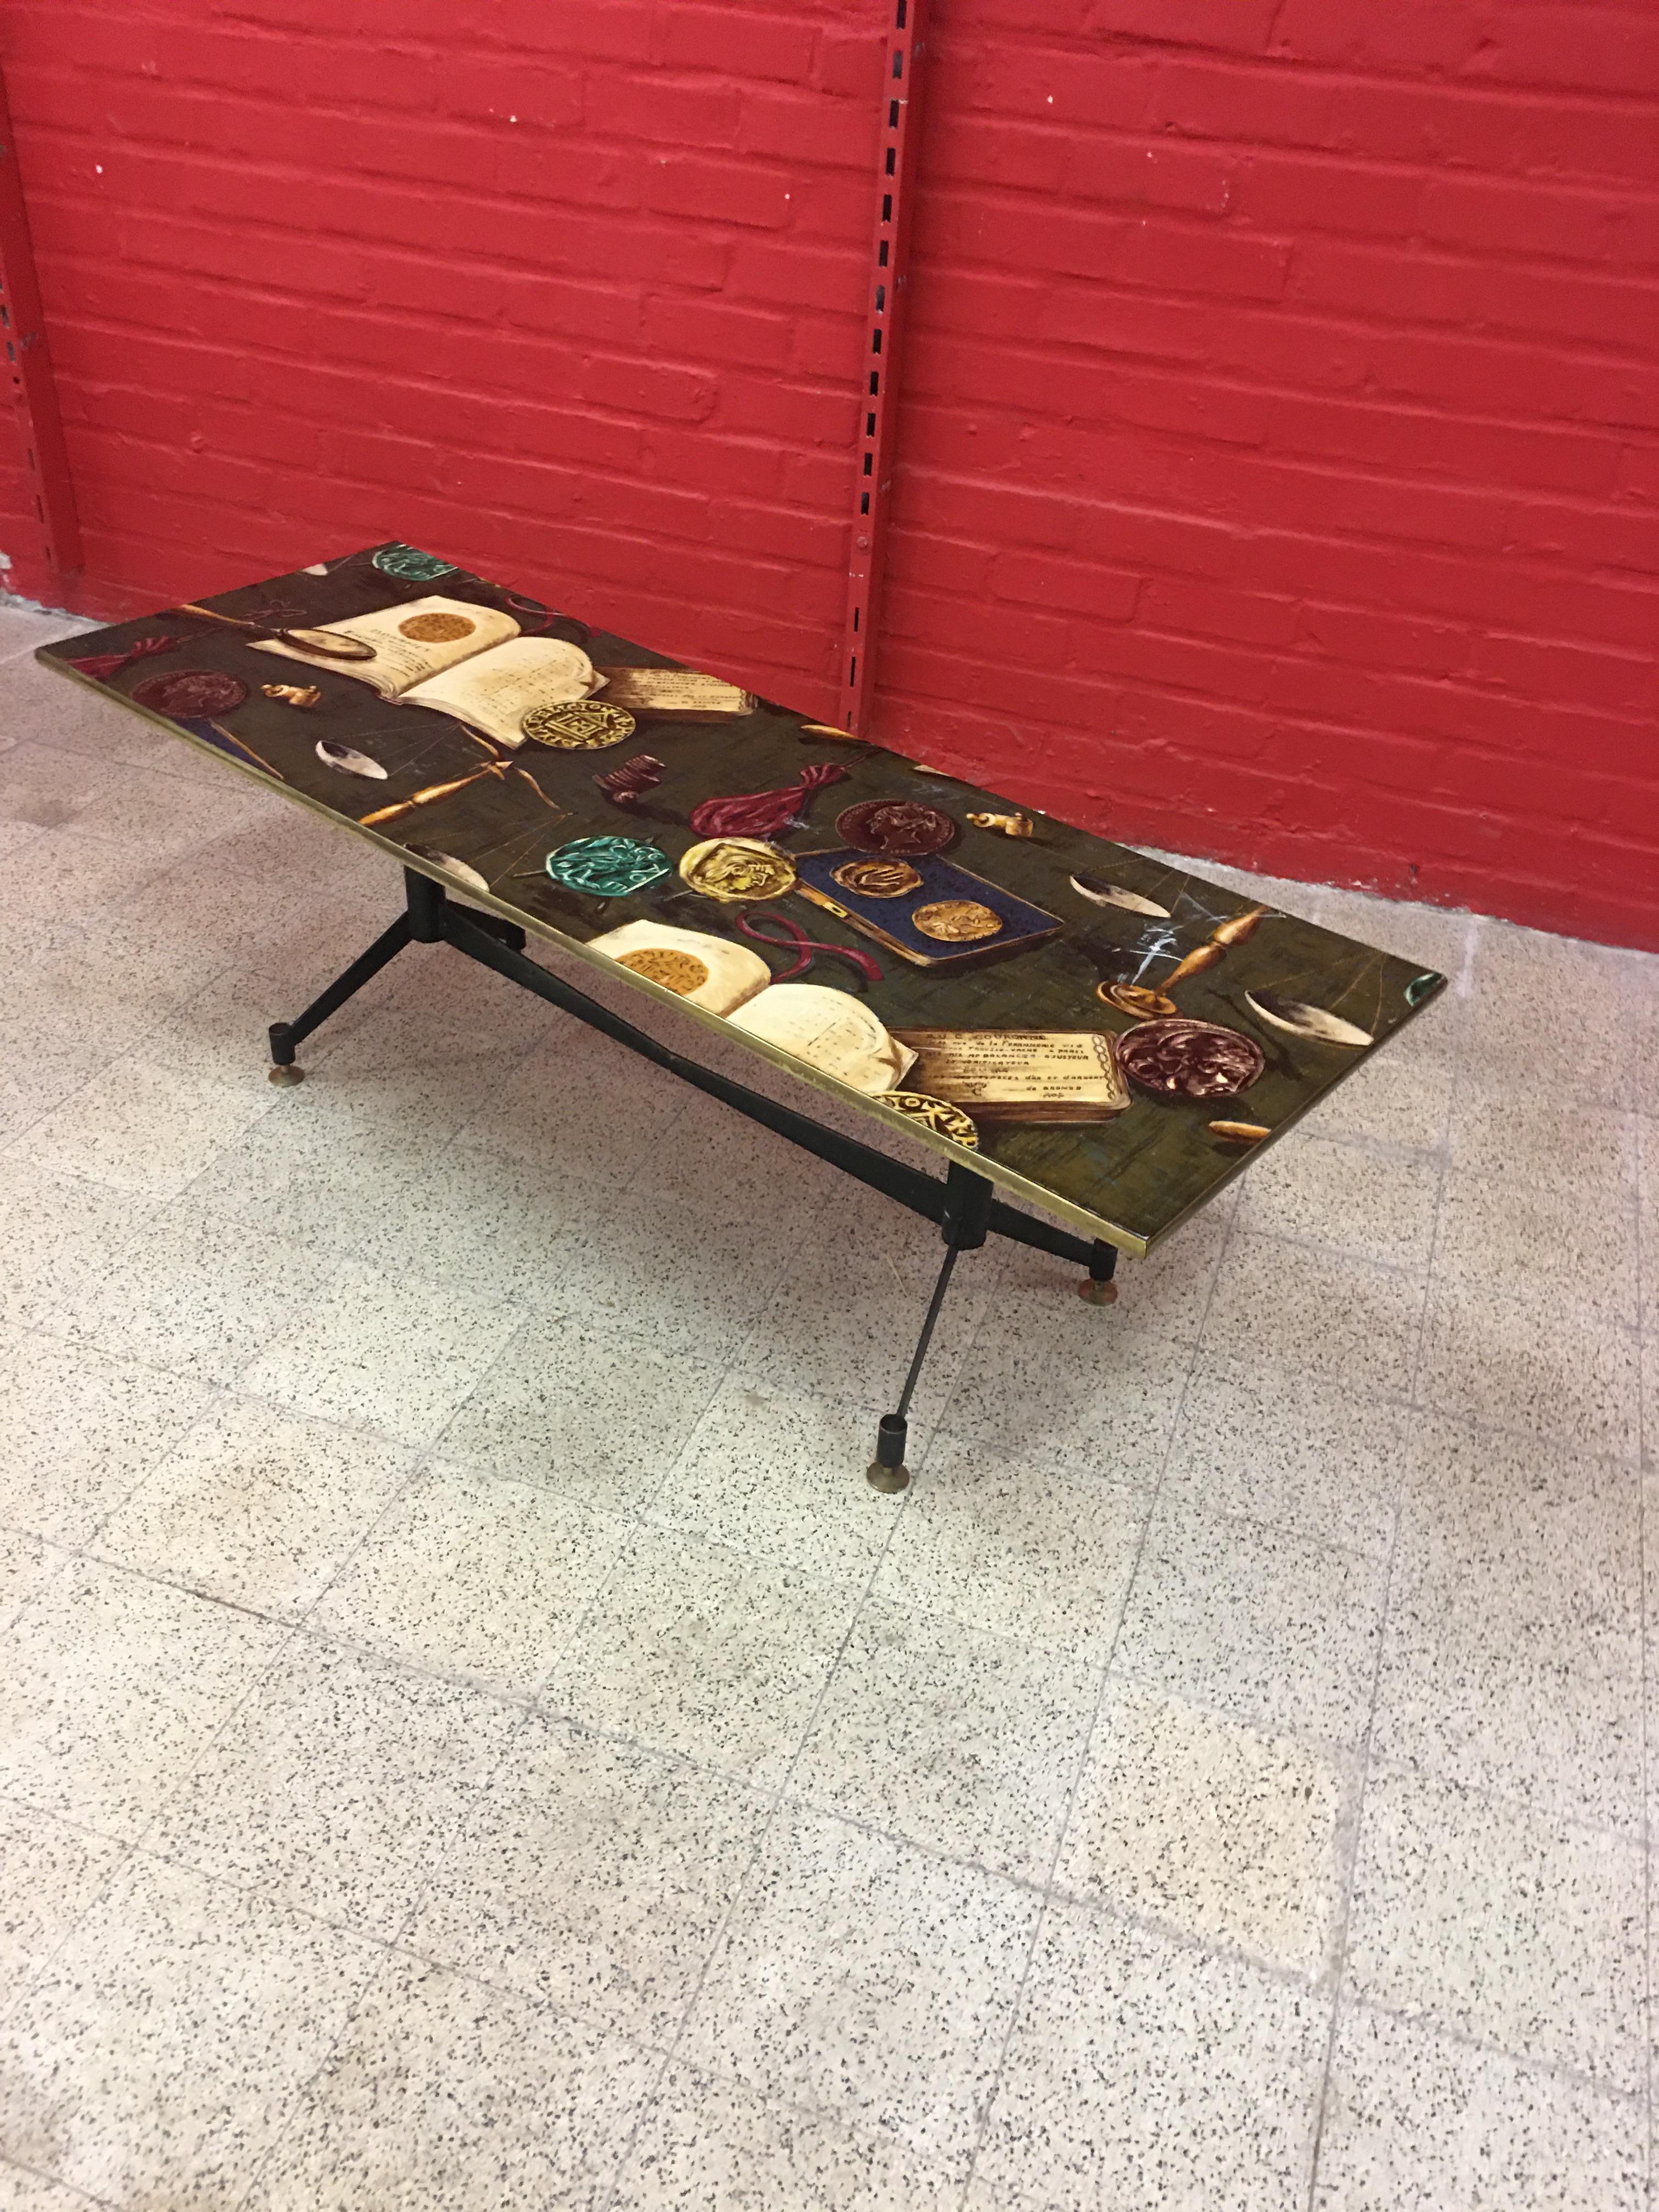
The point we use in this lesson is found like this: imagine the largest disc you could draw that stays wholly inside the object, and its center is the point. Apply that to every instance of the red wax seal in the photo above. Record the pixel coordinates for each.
(1185, 1059)
(191, 693)
(765, 813)
(902, 826)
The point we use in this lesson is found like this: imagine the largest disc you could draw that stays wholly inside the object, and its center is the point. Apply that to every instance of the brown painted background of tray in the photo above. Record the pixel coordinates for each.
(1130, 1180)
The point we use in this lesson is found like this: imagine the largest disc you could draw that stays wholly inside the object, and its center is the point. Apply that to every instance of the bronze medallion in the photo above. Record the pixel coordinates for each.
(901, 827)
(738, 868)
(191, 693)
(938, 1114)
(957, 921)
(1184, 1059)
(1136, 998)
(665, 964)
(878, 880)
(437, 628)
(578, 726)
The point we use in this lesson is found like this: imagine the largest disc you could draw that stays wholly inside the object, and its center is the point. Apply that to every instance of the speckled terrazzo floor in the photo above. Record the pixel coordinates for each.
(469, 1737)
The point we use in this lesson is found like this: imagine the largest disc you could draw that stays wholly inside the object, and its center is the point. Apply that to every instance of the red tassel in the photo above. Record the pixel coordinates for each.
(764, 813)
(100, 666)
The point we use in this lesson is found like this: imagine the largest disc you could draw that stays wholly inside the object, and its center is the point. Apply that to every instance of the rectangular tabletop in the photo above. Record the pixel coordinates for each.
(1112, 1037)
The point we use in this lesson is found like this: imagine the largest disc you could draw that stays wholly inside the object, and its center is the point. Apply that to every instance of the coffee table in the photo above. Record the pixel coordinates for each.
(1039, 1013)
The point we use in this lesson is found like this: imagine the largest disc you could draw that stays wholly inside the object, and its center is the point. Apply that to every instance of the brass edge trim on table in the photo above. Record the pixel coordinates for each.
(1008, 1179)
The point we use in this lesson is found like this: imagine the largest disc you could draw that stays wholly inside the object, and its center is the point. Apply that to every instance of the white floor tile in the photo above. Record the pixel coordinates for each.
(966, 1743)
(1416, 2123)
(1015, 1550)
(703, 1650)
(472, 1576)
(1224, 1833)
(113, 1684)
(704, 2141)
(81, 1432)
(1256, 1622)
(256, 1507)
(868, 1981)
(1143, 2072)
(338, 1787)
(594, 1875)
(783, 1474)
(444, 2097)
(161, 2055)
(1501, 1924)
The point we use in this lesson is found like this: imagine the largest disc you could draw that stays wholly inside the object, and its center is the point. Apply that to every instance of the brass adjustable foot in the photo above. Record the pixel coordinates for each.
(285, 1078)
(887, 1471)
(1098, 1294)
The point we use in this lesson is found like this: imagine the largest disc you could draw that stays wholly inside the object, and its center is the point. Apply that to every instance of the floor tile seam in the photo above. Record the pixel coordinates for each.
(1626, 1839)
(755, 1555)
(1650, 1996)
(764, 1831)
(302, 2091)
(540, 1319)
(224, 1397)
(87, 1557)
(356, 1647)
(1567, 1297)
(922, 1847)
(1349, 1845)
(1335, 1751)
(37, 1970)
(1435, 1409)
(944, 1433)
(1086, 1747)
(56, 1105)
(833, 2116)
(1394, 1270)
(764, 1799)
(8, 2163)
(1318, 1988)
(1354, 1999)
(224, 1394)
(1056, 1651)
(1199, 1506)
(1420, 1330)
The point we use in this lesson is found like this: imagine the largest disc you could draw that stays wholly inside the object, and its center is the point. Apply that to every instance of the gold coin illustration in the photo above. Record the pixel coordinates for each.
(437, 628)
(877, 879)
(736, 868)
(664, 963)
(578, 726)
(937, 1114)
(957, 921)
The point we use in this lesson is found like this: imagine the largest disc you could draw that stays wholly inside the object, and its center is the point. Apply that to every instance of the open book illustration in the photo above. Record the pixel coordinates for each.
(467, 660)
(829, 1030)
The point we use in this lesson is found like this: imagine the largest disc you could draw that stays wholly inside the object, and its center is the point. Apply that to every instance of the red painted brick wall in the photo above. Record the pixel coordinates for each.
(1280, 445)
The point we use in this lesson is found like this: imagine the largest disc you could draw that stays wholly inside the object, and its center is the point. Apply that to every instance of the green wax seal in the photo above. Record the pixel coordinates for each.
(414, 567)
(606, 867)
(1420, 987)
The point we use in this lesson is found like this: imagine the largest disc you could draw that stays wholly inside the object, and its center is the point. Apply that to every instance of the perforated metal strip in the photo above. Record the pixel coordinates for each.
(878, 412)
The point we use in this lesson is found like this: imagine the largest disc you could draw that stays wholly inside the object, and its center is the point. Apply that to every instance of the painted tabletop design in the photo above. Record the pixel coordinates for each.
(1103, 1034)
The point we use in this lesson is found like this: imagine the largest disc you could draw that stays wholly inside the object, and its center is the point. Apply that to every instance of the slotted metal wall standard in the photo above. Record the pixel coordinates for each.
(889, 256)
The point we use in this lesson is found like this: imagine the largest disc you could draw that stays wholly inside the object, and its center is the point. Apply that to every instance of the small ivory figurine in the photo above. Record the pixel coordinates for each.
(296, 695)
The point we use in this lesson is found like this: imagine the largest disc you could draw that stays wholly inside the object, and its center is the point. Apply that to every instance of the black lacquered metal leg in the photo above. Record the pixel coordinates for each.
(495, 925)
(966, 1216)
(1100, 1290)
(285, 1037)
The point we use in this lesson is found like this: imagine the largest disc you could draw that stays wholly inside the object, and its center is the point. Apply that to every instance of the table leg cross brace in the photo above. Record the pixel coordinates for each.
(965, 1205)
